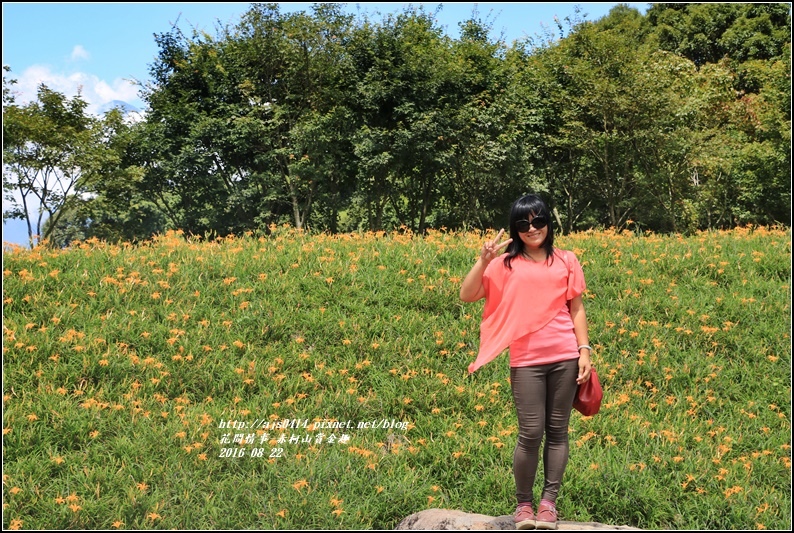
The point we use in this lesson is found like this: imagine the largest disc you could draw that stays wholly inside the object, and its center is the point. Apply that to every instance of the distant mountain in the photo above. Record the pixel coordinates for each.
(123, 106)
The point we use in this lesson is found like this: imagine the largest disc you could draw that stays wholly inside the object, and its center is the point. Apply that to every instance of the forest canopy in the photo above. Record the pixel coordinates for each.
(672, 121)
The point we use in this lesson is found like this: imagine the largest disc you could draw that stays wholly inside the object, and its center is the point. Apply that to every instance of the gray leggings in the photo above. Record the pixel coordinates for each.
(544, 397)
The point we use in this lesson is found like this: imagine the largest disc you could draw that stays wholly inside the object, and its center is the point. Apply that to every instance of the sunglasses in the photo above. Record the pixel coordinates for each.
(538, 223)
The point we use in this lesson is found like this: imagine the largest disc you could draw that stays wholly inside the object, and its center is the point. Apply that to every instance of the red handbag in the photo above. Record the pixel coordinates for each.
(589, 395)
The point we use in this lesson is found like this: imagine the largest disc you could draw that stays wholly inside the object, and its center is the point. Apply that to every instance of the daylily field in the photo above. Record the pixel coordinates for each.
(296, 380)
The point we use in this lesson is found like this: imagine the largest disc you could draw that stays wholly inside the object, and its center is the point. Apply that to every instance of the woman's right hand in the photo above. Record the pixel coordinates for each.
(492, 249)
(472, 288)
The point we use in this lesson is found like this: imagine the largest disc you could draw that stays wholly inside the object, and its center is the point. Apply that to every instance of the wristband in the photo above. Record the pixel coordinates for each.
(579, 349)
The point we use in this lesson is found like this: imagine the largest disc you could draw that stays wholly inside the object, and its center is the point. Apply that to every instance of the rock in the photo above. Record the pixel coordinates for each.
(451, 519)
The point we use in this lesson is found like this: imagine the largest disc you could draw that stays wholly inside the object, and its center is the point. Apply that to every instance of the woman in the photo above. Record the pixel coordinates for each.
(533, 305)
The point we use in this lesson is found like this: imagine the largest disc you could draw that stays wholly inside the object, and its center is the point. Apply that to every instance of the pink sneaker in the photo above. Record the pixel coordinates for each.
(547, 515)
(524, 516)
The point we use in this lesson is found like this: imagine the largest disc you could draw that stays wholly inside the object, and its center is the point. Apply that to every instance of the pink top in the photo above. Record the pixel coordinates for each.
(522, 301)
(552, 343)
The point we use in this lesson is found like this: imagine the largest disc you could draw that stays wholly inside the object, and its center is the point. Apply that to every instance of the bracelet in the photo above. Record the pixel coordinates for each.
(579, 349)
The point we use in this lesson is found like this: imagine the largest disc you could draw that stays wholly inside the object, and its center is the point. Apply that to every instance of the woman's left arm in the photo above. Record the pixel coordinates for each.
(582, 338)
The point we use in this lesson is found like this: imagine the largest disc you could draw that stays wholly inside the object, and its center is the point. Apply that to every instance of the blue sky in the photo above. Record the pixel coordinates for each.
(100, 47)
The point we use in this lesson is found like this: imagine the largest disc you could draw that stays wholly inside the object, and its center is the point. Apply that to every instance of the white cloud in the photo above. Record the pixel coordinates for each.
(93, 90)
(121, 92)
(79, 53)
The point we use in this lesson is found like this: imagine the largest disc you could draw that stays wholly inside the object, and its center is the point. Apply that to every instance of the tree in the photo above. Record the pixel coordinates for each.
(250, 127)
(316, 155)
(683, 106)
(494, 135)
(742, 166)
(193, 122)
(113, 206)
(591, 78)
(408, 98)
(745, 164)
(51, 148)
(710, 32)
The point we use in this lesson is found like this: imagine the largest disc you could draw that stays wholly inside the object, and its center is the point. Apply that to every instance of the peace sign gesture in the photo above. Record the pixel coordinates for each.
(472, 288)
(492, 249)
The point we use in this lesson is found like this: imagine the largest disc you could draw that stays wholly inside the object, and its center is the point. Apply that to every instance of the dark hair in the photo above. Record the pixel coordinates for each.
(531, 204)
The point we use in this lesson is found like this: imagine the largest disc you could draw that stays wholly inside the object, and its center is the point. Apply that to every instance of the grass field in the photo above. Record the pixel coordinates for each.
(124, 367)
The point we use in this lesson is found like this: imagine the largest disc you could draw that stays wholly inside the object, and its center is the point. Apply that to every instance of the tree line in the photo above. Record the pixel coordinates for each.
(671, 121)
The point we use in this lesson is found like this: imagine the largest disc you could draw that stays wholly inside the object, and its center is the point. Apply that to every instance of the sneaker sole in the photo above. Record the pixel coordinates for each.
(525, 524)
(546, 525)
